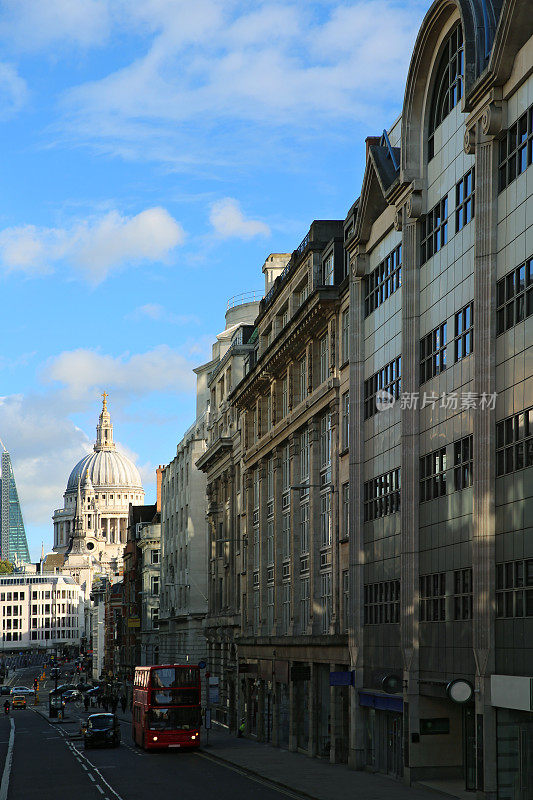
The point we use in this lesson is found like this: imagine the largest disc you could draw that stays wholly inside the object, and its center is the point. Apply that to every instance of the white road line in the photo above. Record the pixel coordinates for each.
(91, 777)
(256, 779)
(100, 789)
(4, 786)
(95, 768)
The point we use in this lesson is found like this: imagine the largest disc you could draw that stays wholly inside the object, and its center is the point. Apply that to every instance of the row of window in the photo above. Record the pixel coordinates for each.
(434, 225)
(433, 469)
(383, 280)
(514, 297)
(382, 495)
(514, 589)
(516, 146)
(433, 596)
(514, 442)
(386, 381)
(433, 346)
(382, 603)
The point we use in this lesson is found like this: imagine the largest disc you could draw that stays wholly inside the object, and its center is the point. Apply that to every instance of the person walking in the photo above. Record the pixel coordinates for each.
(86, 701)
(123, 703)
(114, 704)
(6, 707)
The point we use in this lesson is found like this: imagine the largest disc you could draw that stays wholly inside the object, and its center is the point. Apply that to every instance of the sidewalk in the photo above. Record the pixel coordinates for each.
(312, 777)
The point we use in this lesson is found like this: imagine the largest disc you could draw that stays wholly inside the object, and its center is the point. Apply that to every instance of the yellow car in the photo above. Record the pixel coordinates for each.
(19, 701)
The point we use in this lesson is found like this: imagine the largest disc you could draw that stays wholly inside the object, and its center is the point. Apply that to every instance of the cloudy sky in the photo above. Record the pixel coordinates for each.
(154, 152)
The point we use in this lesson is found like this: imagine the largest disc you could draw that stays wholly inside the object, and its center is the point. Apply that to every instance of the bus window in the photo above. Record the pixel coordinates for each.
(171, 719)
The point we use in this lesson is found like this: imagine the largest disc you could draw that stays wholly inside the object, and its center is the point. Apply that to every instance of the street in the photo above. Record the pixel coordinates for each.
(49, 763)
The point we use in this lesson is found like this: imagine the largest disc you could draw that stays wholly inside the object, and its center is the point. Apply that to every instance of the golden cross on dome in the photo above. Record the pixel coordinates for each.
(105, 396)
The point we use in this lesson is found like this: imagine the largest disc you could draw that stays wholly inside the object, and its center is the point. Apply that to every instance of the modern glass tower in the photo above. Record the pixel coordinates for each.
(13, 541)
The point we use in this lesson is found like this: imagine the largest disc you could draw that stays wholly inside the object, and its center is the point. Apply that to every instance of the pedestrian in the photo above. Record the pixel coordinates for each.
(105, 702)
(86, 701)
(6, 707)
(114, 704)
(241, 728)
(123, 703)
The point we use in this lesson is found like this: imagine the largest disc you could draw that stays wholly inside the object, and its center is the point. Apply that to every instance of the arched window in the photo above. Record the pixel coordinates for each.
(448, 88)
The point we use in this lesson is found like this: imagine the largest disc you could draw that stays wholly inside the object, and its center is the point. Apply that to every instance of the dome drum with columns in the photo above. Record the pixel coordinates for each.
(99, 491)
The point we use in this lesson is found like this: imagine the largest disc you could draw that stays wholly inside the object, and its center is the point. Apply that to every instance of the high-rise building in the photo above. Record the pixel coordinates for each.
(13, 543)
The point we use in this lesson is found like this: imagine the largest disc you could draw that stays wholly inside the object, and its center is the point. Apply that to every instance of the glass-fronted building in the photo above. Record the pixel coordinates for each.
(13, 541)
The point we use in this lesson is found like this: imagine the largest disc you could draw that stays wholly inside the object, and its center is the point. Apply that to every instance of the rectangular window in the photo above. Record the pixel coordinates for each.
(345, 420)
(328, 278)
(382, 603)
(381, 495)
(514, 442)
(304, 604)
(256, 482)
(325, 600)
(155, 618)
(284, 397)
(433, 353)
(270, 479)
(514, 297)
(323, 359)
(515, 149)
(464, 200)
(304, 455)
(270, 543)
(345, 335)
(154, 581)
(383, 281)
(154, 555)
(514, 589)
(325, 448)
(286, 607)
(257, 618)
(345, 599)
(304, 528)
(285, 467)
(388, 379)
(463, 463)
(345, 510)
(434, 230)
(302, 378)
(256, 547)
(433, 475)
(270, 608)
(325, 520)
(268, 425)
(462, 594)
(433, 597)
(286, 536)
(464, 332)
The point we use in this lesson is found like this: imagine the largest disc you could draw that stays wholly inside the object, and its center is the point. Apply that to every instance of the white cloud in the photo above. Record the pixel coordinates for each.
(94, 248)
(87, 372)
(30, 25)
(158, 313)
(44, 445)
(270, 64)
(228, 220)
(13, 91)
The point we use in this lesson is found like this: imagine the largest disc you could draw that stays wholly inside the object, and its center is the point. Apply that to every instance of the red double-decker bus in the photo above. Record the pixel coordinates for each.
(166, 706)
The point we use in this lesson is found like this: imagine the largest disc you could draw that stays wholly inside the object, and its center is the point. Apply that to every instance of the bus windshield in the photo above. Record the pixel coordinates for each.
(174, 719)
(170, 677)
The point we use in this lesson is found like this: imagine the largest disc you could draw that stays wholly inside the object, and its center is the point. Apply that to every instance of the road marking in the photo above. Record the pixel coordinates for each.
(98, 773)
(4, 786)
(256, 779)
(91, 777)
(100, 789)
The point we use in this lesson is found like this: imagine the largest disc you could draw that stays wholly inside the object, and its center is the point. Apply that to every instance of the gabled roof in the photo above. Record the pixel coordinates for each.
(381, 173)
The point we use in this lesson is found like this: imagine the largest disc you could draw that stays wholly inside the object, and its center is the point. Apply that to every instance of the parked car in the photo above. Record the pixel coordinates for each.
(70, 695)
(19, 701)
(102, 730)
(5, 690)
(21, 690)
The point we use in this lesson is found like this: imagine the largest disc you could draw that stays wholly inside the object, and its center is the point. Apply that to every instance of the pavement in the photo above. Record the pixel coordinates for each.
(49, 763)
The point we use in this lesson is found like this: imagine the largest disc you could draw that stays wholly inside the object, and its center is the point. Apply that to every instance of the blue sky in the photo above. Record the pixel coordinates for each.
(153, 153)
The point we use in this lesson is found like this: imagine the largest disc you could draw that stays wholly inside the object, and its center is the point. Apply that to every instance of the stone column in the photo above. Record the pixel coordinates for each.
(294, 533)
(358, 268)
(335, 506)
(483, 518)
(275, 712)
(410, 449)
(314, 521)
(312, 699)
(334, 720)
(261, 711)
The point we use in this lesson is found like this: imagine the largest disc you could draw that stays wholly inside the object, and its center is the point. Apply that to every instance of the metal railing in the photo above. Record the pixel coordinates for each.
(245, 297)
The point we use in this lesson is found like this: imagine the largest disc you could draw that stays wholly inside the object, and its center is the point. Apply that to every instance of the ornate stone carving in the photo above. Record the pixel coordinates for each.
(413, 206)
(492, 120)
(398, 219)
(469, 142)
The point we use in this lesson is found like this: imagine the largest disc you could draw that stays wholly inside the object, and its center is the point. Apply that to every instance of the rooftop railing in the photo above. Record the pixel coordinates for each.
(245, 297)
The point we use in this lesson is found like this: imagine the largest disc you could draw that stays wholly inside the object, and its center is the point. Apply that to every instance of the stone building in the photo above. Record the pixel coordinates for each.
(222, 464)
(440, 248)
(294, 416)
